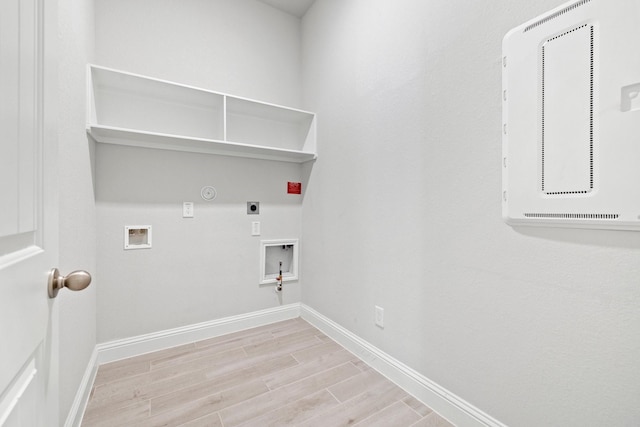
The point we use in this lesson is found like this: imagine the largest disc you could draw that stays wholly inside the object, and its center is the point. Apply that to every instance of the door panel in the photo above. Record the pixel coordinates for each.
(9, 103)
(28, 212)
(18, 116)
(27, 116)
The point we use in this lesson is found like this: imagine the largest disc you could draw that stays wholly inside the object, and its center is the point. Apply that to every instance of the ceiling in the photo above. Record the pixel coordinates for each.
(294, 7)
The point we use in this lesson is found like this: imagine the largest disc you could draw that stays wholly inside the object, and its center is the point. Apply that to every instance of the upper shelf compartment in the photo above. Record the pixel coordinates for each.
(130, 109)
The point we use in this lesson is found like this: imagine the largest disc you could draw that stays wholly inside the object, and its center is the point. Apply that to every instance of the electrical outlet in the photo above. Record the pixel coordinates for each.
(379, 316)
(187, 210)
(253, 208)
(255, 228)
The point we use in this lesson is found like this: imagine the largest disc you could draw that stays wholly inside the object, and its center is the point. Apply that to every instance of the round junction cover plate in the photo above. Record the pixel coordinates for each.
(208, 193)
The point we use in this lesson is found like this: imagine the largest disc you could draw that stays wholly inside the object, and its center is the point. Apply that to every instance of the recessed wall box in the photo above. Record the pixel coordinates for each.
(253, 208)
(272, 252)
(137, 237)
(571, 117)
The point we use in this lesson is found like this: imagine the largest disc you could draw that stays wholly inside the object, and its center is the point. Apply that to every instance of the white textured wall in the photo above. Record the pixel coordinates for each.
(536, 327)
(77, 330)
(207, 267)
(240, 47)
(200, 268)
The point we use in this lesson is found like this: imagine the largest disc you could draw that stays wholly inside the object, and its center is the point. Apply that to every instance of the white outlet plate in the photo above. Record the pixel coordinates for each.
(187, 210)
(379, 316)
(255, 228)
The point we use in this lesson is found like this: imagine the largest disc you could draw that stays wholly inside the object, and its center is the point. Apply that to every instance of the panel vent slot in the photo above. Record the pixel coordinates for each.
(571, 216)
(555, 15)
(567, 163)
(556, 193)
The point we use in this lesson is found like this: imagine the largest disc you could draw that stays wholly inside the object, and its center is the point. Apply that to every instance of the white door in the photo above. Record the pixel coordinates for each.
(28, 213)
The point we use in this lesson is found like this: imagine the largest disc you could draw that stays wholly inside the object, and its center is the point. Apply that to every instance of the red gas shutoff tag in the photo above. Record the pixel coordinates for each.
(294, 188)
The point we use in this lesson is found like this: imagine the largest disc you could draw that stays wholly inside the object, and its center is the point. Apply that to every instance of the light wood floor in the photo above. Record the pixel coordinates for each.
(283, 374)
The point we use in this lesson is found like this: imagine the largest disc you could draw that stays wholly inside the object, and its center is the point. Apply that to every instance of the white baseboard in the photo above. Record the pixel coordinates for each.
(134, 346)
(74, 418)
(458, 411)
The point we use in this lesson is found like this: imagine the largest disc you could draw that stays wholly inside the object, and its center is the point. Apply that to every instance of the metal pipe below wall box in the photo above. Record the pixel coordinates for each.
(279, 279)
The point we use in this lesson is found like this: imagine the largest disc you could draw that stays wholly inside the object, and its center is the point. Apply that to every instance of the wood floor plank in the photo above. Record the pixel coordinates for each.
(164, 352)
(236, 341)
(432, 420)
(361, 365)
(284, 374)
(217, 384)
(199, 408)
(196, 353)
(395, 415)
(358, 408)
(285, 344)
(129, 415)
(422, 409)
(138, 364)
(256, 407)
(121, 369)
(293, 413)
(303, 370)
(324, 338)
(274, 366)
(356, 385)
(147, 391)
(211, 420)
(240, 335)
(214, 363)
(290, 326)
(313, 352)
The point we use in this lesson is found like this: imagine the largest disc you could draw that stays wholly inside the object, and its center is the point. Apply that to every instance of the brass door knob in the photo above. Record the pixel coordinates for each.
(76, 281)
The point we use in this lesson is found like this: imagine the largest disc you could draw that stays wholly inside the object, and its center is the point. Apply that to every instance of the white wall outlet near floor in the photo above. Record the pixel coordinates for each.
(379, 316)
(187, 210)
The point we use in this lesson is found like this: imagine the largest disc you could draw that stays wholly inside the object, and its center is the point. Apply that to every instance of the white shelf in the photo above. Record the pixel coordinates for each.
(120, 136)
(129, 109)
